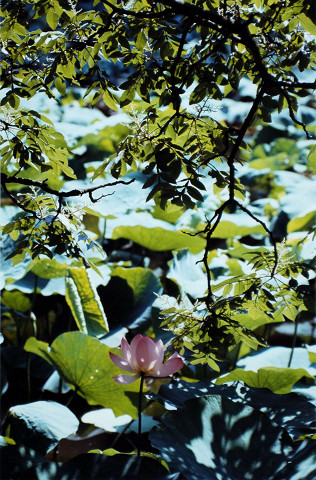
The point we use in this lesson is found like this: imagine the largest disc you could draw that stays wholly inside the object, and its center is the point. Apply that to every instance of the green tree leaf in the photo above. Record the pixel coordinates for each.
(52, 19)
(140, 41)
(61, 86)
(110, 100)
(307, 23)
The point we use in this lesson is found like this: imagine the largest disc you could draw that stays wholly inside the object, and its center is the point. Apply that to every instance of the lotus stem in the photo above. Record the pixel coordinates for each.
(142, 377)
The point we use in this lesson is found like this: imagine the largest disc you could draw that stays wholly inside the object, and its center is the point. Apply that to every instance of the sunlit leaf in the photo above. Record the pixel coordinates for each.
(158, 239)
(84, 302)
(48, 268)
(52, 19)
(307, 23)
(227, 229)
(278, 380)
(84, 363)
(40, 425)
(302, 223)
(16, 300)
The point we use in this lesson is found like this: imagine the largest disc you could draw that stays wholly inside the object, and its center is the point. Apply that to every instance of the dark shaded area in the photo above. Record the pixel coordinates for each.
(19, 460)
(214, 438)
(117, 312)
(25, 373)
(290, 411)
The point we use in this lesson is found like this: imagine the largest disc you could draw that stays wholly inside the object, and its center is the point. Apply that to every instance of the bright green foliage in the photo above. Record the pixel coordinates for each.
(84, 363)
(302, 223)
(245, 303)
(278, 380)
(158, 239)
(16, 300)
(208, 335)
(182, 63)
(158, 147)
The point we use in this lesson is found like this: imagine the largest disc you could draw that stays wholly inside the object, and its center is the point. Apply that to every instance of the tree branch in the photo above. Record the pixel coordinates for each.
(15, 200)
(209, 230)
(272, 240)
(307, 85)
(191, 10)
(242, 131)
(231, 26)
(72, 193)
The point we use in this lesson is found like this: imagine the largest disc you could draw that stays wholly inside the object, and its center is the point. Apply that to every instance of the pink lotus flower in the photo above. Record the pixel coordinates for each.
(145, 356)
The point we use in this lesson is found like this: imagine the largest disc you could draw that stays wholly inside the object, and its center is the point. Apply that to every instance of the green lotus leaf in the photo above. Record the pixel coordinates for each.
(16, 300)
(227, 229)
(141, 280)
(84, 363)
(84, 302)
(48, 268)
(41, 425)
(159, 239)
(304, 223)
(276, 379)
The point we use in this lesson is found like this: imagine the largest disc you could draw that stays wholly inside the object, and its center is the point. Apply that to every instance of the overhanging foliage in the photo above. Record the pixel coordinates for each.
(156, 148)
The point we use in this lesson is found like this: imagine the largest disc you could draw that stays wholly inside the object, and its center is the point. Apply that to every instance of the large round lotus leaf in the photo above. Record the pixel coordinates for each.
(84, 363)
(227, 229)
(215, 438)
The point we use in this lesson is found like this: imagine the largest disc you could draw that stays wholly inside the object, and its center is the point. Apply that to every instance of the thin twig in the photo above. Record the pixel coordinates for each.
(269, 232)
(209, 230)
(292, 114)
